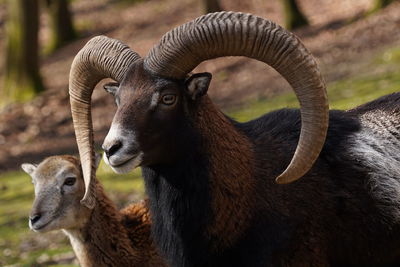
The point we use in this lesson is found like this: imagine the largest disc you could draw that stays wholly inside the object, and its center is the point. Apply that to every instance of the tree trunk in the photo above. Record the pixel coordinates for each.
(211, 6)
(294, 17)
(62, 29)
(22, 79)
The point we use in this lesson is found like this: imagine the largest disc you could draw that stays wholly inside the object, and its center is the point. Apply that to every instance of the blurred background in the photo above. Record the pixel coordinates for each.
(357, 44)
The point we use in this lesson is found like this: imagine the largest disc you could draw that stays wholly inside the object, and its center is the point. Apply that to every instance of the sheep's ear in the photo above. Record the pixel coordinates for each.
(111, 88)
(28, 168)
(97, 159)
(197, 84)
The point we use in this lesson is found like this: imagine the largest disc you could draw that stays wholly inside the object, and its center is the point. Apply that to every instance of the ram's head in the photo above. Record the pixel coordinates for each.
(156, 93)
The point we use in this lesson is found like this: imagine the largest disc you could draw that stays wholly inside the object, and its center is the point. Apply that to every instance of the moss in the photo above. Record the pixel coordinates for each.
(391, 56)
(378, 5)
(294, 18)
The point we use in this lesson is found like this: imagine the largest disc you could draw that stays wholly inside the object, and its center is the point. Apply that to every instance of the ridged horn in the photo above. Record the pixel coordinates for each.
(237, 34)
(100, 58)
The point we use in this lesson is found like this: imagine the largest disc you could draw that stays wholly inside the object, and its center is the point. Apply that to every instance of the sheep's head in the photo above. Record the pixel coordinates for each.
(154, 91)
(152, 118)
(59, 187)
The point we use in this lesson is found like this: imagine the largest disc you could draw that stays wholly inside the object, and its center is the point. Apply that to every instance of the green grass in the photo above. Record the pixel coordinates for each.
(343, 94)
(380, 77)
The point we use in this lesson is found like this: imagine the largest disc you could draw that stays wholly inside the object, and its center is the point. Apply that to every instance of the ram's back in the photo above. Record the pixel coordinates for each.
(377, 148)
(350, 199)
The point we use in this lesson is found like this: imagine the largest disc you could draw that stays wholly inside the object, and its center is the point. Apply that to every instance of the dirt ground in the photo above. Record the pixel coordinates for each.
(42, 127)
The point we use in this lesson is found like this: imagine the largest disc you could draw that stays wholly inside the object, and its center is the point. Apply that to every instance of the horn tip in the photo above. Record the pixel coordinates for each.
(284, 178)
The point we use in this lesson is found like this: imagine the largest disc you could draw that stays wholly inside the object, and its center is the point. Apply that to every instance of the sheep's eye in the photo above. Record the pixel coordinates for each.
(70, 181)
(168, 99)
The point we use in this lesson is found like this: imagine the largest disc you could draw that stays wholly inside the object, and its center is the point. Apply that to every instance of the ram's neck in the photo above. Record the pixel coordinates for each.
(231, 168)
(103, 241)
(205, 197)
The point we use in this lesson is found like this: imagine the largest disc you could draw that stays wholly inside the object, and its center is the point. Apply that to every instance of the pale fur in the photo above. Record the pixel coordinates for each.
(103, 236)
(122, 161)
(377, 140)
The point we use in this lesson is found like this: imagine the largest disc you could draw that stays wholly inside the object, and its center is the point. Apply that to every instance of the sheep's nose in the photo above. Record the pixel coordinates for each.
(112, 149)
(34, 218)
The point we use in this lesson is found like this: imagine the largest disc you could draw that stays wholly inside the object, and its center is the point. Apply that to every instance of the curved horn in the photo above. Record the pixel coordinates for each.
(237, 34)
(100, 58)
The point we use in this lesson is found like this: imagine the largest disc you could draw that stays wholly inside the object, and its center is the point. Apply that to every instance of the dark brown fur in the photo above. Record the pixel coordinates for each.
(232, 188)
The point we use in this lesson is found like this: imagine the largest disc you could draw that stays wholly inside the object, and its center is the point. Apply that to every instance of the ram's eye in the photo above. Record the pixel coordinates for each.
(168, 99)
(70, 181)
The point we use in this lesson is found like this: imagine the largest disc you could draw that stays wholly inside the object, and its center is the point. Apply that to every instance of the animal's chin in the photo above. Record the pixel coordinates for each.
(128, 165)
(42, 227)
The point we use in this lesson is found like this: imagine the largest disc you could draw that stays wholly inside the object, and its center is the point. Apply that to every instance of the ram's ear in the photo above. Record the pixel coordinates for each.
(28, 168)
(197, 84)
(111, 88)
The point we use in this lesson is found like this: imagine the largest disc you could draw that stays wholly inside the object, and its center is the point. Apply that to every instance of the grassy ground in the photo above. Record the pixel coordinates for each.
(20, 247)
(376, 78)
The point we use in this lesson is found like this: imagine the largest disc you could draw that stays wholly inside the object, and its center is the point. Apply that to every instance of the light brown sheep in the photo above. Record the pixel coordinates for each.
(103, 236)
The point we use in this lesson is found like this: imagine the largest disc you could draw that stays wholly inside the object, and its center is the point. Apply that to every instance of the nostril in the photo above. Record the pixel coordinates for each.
(34, 218)
(114, 148)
